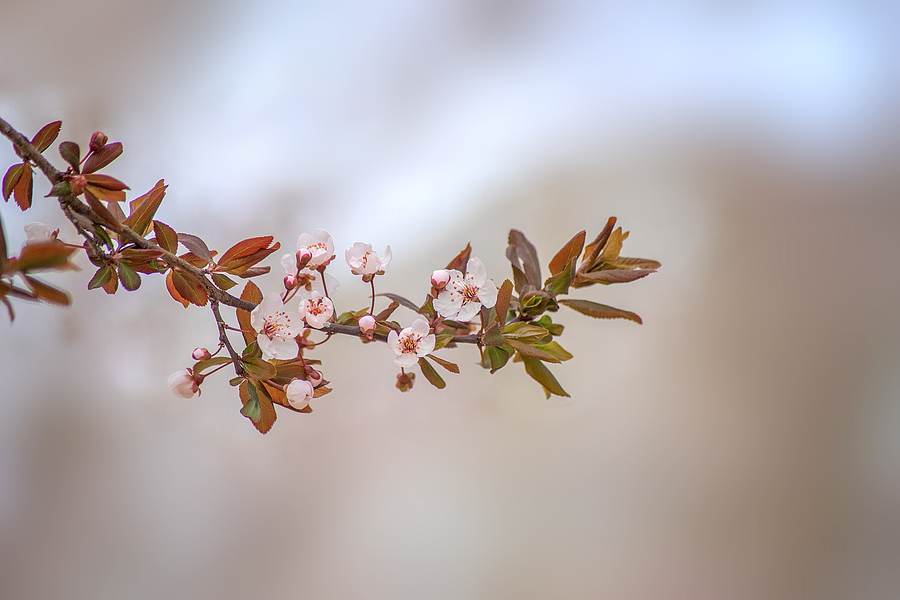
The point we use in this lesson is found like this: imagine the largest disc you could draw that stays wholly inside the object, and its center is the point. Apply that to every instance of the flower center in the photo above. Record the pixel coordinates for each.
(469, 293)
(275, 325)
(316, 307)
(410, 344)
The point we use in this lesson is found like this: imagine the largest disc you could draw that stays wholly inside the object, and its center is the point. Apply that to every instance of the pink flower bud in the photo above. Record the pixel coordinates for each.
(367, 324)
(440, 278)
(183, 384)
(313, 376)
(298, 392)
(98, 140)
(289, 282)
(200, 354)
(304, 255)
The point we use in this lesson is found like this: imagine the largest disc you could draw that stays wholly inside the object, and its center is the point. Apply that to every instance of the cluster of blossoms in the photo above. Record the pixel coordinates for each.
(279, 331)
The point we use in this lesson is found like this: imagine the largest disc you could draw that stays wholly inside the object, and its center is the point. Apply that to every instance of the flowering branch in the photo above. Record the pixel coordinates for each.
(463, 306)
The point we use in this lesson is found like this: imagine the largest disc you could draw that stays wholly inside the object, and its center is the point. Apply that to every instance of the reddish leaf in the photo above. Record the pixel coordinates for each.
(197, 246)
(3, 251)
(600, 311)
(111, 286)
(524, 260)
(253, 272)
(105, 155)
(611, 276)
(450, 366)
(106, 194)
(460, 261)
(387, 312)
(189, 288)
(106, 182)
(166, 237)
(24, 188)
(116, 210)
(173, 291)
(504, 295)
(401, 300)
(43, 138)
(532, 352)
(144, 208)
(266, 411)
(47, 293)
(100, 210)
(71, 153)
(245, 248)
(50, 255)
(11, 179)
(252, 294)
(637, 263)
(567, 254)
(593, 249)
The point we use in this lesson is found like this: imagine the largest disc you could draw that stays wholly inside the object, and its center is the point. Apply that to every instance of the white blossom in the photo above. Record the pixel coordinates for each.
(182, 384)
(317, 309)
(411, 343)
(298, 392)
(363, 261)
(319, 244)
(277, 328)
(464, 296)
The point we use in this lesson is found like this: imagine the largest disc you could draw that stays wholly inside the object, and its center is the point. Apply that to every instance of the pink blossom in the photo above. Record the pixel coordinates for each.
(319, 245)
(363, 261)
(464, 296)
(298, 392)
(411, 343)
(367, 324)
(277, 328)
(317, 309)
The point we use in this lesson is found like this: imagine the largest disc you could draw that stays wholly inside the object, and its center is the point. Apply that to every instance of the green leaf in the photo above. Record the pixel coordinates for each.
(497, 357)
(223, 282)
(251, 409)
(101, 277)
(527, 350)
(540, 373)
(128, 276)
(600, 311)
(492, 335)
(545, 322)
(211, 362)
(257, 368)
(431, 375)
(553, 348)
(441, 340)
(524, 332)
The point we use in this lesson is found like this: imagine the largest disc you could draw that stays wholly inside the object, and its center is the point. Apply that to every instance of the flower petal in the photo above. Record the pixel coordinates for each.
(475, 272)
(487, 293)
(426, 345)
(468, 312)
(420, 327)
(406, 360)
(393, 341)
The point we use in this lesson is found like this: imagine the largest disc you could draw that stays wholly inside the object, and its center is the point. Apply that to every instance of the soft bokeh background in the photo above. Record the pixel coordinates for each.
(743, 443)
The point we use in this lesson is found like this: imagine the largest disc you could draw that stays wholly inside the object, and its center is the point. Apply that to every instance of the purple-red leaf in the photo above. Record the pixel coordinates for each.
(197, 246)
(600, 311)
(43, 138)
(24, 188)
(11, 179)
(102, 157)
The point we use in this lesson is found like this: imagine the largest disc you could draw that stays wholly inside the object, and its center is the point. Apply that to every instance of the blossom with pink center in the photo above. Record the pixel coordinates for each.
(182, 384)
(277, 328)
(363, 261)
(464, 296)
(319, 244)
(317, 309)
(411, 343)
(298, 392)
(367, 324)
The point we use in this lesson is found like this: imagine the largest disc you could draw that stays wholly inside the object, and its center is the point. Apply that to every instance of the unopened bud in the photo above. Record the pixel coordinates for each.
(200, 354)
(98, 140)
(405, 381)
(77, 183)
(367, 324)
(440, 278)
(289, 282)
(313, 376)
(303, 258)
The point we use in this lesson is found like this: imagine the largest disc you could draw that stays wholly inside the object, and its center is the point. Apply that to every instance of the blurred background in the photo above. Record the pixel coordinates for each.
(743, 443)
